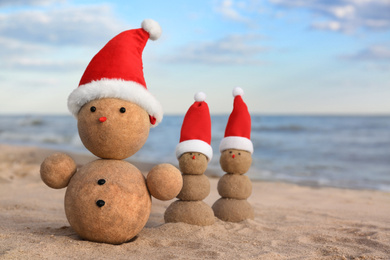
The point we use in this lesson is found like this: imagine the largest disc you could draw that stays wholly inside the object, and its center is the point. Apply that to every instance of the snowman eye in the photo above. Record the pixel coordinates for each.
(122, 110)
(93, 109)
(230, 152)
(239, 153)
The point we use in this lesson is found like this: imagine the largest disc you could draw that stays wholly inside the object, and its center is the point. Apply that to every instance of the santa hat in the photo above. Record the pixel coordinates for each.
(195, 135)
(116, 71)
(238, 128)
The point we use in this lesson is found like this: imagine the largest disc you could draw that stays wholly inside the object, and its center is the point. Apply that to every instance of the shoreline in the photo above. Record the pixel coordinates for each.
(145, 166)
(291, 221)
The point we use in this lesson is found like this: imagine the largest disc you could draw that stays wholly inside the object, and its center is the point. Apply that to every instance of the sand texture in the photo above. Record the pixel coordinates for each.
(291, 222)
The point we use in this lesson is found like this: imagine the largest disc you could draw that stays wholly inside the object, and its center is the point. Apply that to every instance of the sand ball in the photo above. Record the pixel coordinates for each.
(233, 210)
(122, 132)
(234, 186)
(107, 201)
(57, 169)
(235, 161)
(164, 181)
(193, 163)
(190, 212)
(195, 187)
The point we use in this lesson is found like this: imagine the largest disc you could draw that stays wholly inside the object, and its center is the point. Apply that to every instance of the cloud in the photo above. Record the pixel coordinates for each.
(344, 15)
(241, 11)
(36, 64)
(28, 2)
(230, 50)
(229, 10)
(10, 47)
(16, 55)
(86, 25)
(52, 38)
(372, 53)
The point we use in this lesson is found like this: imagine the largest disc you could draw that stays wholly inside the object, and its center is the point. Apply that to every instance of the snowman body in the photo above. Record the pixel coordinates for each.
(107, 201)
(194, 153)
(236, 158)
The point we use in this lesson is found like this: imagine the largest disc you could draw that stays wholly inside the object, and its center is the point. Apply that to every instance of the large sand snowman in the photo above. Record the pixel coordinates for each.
(109, 200)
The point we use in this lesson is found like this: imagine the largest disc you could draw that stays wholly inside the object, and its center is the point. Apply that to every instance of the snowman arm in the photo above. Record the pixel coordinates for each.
(164, 181)
(57, 170)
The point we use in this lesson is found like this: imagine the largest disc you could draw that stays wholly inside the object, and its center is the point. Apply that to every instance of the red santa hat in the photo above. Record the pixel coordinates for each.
(238, 128)
(195, 135)
(116, 71)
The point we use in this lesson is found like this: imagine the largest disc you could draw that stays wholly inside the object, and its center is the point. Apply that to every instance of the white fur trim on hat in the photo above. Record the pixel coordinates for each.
(194, 145)
(236, 142)
(237, 91)
(200, 97)
(115, 88)
(153, 28)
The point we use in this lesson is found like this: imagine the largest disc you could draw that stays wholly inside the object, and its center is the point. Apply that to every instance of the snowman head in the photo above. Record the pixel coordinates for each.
(112, 103)
(235, 161)
(113, 128)
(193, 163)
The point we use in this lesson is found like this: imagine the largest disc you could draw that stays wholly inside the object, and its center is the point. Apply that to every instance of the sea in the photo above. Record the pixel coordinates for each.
(333, 151)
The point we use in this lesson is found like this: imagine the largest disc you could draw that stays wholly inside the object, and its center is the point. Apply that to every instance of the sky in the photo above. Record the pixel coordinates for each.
(289, 56)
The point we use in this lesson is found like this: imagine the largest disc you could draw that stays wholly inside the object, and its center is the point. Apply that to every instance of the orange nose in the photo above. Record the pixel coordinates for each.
(102, 119)
(233, 156)
(193, 157)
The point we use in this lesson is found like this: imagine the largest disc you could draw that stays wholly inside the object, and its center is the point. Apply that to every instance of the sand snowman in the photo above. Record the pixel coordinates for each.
(236, 158)
(194, 152)
(109, 200)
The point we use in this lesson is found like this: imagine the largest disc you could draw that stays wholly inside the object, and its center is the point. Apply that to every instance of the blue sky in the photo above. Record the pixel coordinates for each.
(289, 56)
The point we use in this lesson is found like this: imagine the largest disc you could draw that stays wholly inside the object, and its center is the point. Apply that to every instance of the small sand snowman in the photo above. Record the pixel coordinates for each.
(194, 152)
(236, 158)
(109, 200)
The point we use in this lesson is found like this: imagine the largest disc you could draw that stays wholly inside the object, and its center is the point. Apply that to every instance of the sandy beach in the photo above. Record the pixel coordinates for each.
(291, 222)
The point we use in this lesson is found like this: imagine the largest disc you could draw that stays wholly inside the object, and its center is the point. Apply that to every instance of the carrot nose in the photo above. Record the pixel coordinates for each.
(102, 119)
(233, 156)
(193, 157)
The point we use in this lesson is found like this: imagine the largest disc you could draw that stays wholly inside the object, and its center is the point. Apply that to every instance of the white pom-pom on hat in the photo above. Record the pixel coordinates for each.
(153, 28)
(200, 96)
(237, 91)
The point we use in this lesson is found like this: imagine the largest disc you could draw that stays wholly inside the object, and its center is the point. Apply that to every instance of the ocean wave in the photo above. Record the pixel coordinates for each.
(44, 138)
(31, 122)
(282, 128)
